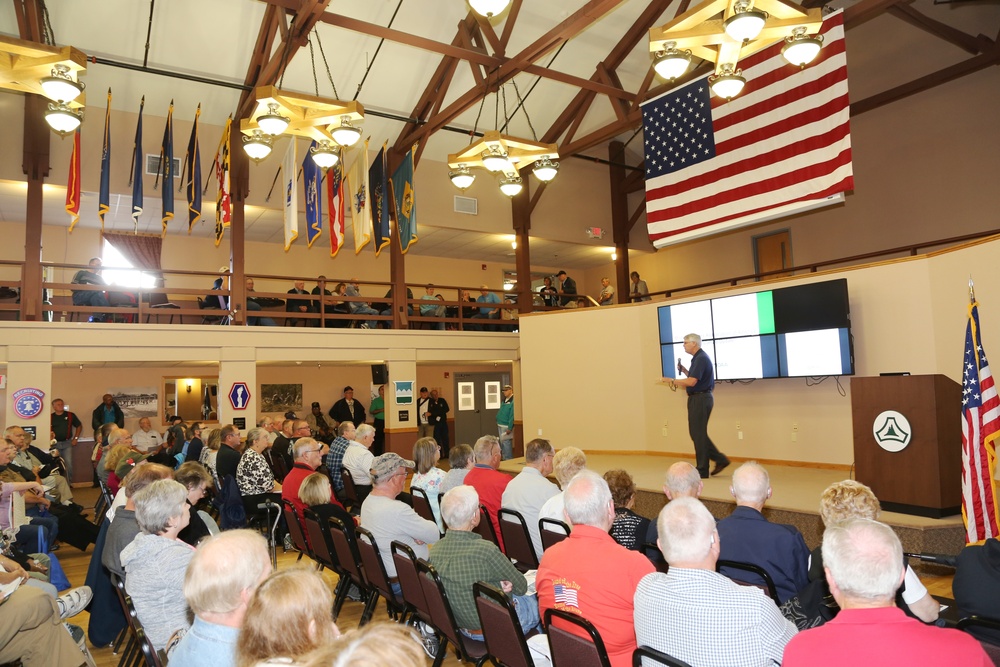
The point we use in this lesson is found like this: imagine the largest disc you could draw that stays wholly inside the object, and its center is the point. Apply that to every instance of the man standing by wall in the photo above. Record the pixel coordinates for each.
(700, 382)
(425, 427)
(66, 428)
(567, 287)
(348, 410)
(107, 412)
(505, 423)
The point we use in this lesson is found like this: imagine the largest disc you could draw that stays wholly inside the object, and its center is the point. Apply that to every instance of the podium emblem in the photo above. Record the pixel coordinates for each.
(892, 431)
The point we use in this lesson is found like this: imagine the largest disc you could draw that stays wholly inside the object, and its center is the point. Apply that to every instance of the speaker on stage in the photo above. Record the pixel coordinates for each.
(380, 373)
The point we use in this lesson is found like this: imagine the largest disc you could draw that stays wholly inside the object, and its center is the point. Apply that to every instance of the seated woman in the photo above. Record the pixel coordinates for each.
(289, 615)
(194, 443)
(428, 476)
(316, 495)
(196, 479)
(629, 529)
(209, 453)
(253, 476)
(155, 561)
(108, 465)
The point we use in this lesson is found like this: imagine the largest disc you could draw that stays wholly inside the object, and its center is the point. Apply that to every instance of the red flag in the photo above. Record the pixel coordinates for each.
(980, 430)
(335, 199)
(782, 146)
(223, 204)
(73, 183)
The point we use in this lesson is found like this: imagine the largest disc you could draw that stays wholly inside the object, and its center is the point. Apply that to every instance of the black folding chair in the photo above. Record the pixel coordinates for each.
(409, 581)
(516, 539)
(768, 585)
(422, 504)
(485, 527)
(552, 531)
(572, 649)
(377, 578)
(505, 644)
(296, 530)
(443, 620)
(346, 548)
(654, 657)
(325, 555)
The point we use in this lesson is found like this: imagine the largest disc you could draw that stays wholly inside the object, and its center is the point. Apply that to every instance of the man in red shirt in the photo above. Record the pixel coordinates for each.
(308, 457)
(488, 482)
(590, 574)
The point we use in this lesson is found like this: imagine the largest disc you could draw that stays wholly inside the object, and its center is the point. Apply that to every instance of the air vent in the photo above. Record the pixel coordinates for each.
(153, 164)
(467, 205)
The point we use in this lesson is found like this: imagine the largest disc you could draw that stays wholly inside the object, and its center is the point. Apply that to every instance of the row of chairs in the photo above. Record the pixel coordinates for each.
(139, 651)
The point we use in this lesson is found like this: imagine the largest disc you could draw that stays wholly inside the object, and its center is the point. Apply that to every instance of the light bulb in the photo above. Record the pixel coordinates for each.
(60, 86)
(800, 49)
(727, 84)
(745, 24)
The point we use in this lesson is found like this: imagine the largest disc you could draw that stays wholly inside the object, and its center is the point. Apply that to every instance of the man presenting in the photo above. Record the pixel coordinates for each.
(700, 382)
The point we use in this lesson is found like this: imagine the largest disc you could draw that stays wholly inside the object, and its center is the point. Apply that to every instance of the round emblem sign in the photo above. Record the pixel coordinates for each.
(28, 402)
(892, 431)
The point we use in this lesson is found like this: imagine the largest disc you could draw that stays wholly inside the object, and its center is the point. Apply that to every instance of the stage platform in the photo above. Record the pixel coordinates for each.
(795, 499)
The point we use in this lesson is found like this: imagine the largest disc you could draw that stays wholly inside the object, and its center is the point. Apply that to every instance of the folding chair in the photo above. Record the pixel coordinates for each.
(346, 548)
(443, 620)
(296, 529)
(552, 531)
(502, 632)
(422, 504)
(569, 649)
(350, 492)
(517, 539)
(767, 586)
(657, 658)
(325, 555)
(377, 578)
(409, 581)
(992, 650)
(485, 527)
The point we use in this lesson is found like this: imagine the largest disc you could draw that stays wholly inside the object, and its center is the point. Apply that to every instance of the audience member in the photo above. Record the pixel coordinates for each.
(193, 445)
(488, 482)
(639, 290)
(428, 477)
(108, 412)
(334, 459)
(358, 460)
(95, 298)
(505, 423)
(318, 425)
(33, 635)
(307, 459)
(425, 427)
(43, 465)
(748, 537)
(227, 460)
(548, 293)
(297, 305)
(567, 462)
(315, 494)
(439, 409)
(220, 580)
(863, 562)
(567, 287)
(283, 443)
(66, 428)
(196, 479)
(374, 645)
(607, 295)
(254, 306)
(347, 409)
(210, 453)
(124, 527)
(683, 481)
(360, 307)
(696, 615)
(147, 439)
(530, 490)
(377, 408)
(629, 529)
(460, 462)
(431, 308)
(490, 310)
(253, 475)
(976, 586)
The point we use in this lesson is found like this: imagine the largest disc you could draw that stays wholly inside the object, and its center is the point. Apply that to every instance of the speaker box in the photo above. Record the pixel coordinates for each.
(380, 373)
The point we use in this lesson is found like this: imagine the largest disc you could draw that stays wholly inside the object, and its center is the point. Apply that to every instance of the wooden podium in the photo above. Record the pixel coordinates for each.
(925, 476)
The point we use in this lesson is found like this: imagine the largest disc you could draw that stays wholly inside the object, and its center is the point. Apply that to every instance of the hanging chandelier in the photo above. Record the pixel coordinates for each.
(722, 32)
(49, 71)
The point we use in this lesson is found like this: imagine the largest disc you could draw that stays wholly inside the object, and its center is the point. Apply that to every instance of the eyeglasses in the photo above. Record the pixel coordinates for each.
(310, 451)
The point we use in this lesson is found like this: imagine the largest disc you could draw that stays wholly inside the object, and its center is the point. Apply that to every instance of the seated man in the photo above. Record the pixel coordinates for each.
(222, 576)
(253, 305)
(32, 634)
(307, 458)
(360, 307)
(358, 460)
(529, 491)
(298, 305)
(490, 310)
(694, 614)
(488, 482)
(389, 519)
(863, 562)
(334, 459)
(96, 298)
(432, 308)
(463, 557)
(976, 586)
(683, 481)
(320, 428)
(591, 575)
(43, 465)
(748, 537)
(567, 462)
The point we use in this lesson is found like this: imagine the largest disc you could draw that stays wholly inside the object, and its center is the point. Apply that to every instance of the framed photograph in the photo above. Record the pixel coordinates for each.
(280, 397)
(137, 402)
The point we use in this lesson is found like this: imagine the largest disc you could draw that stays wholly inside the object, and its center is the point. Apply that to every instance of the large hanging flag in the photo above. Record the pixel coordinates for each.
(73, 182)
(167, 168)
(223, 204)
(783, 146)
(361, 212)
(980, 430)
(335, 192)
(137, 169)
(406, 206)
(312, 176)
(289, 178)
(192, 160)
(379, 184)
(104, 197)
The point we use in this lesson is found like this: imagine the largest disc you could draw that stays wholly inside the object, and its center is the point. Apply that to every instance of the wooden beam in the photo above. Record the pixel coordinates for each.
(486, 30)
(262, 49)
(469, 41)
(620, 106)
(940, 30)
(866, 10)
(601, 135)
(538, 195)
(508, 26)
(634, 218)
(636, 179)
(619, 218)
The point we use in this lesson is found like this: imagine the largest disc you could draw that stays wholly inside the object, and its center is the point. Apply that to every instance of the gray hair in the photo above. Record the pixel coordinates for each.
(865, 559)
(682, 480)
(345, 427)
(484, 448)
(255, 434)
(567, 462)
(459, 506)
(300, 446)
(460, 456)
(587, 499)
(364, 430)
(159, 504)
(223, 567)
(751, 483)
(686, 529)
(536, 450)
(693, 338)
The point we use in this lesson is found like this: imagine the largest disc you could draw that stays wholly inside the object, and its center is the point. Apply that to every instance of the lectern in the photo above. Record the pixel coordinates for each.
(913, 463)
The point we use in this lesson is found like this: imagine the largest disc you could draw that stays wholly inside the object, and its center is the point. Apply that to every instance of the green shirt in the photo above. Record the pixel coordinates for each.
(462, 558)
(377, 408)
(505, 416)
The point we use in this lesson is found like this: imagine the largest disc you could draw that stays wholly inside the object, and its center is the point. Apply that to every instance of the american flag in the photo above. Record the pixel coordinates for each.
(565, 596)
(781, 147)
(980, 430)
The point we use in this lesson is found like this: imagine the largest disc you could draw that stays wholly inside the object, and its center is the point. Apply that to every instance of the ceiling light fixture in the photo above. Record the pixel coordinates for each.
(324, 155)
(62, 119)
(488, 8)
(60, 86)
(545, 169)
(728, 83)
(745, 24)
(671, 63)
(257, 145)
(272, 123)
(345, 134)
(511, 185)
(495, 158)
(801, 49)
(462, 177)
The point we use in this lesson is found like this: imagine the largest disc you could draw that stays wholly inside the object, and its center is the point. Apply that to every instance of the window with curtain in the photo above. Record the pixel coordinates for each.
(130, 260)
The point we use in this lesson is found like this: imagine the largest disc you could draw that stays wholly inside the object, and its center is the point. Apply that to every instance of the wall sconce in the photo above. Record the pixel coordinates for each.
(188, 384)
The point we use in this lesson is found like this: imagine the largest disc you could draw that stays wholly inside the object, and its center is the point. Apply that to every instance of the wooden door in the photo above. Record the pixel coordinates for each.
(773, 252)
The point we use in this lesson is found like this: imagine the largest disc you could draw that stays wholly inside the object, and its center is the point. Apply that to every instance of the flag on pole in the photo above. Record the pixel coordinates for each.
(406, 207)
(193, 161)
(223, 204)
(361, 212)
(980, 430)
(137, 169)
(289, 178)
(73, 182)
(335, 192)
(783, 146)
(167, 168)
(312, 175)
(104, 197)
(380, 200)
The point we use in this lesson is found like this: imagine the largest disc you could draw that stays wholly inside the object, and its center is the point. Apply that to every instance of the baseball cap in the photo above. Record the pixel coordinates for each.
(385, 465)
(315, 404)
(129, 462)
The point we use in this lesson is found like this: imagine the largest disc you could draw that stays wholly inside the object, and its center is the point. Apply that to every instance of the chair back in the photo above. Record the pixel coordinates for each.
(501, 627)
(485, 527)
(441, 616)
(654, 657)
(982, 622)
(767, 586)
(552, 531)
(213, 527)
(295, 528)
(322, 544)
(422, 504)
(409, 579)
(346, 548)
(516, 539)
(374, 568)
(350, 491)
(574, 641)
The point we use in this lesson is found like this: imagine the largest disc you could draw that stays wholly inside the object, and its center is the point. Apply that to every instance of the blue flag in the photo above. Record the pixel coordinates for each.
(193, 160)
(406, 205)
(379, 185)
(137, 169)
(167, 168)
(104, 198)
(312, 175)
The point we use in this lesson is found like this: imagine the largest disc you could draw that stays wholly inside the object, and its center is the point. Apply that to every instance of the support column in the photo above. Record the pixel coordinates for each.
(238, 364)
(401, 418)
(521, 215)
(240, 187)
(35, 164)
(619, 219)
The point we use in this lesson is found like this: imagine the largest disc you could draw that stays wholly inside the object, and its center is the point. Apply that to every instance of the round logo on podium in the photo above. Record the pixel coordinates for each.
(892, 431)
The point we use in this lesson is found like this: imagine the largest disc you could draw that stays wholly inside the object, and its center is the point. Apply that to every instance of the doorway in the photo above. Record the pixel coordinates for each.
(477, 400)
(773, 252)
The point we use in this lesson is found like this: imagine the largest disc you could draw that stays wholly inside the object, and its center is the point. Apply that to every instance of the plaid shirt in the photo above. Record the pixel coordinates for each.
(334, 461)
(462, 558)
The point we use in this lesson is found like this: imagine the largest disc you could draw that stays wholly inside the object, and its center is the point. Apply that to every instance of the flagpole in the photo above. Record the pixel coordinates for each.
(972, 291)
(142, 103)
(269, 192)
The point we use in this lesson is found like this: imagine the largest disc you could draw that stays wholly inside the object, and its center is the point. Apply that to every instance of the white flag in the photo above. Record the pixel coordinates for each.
(289, 180)
(360, 204)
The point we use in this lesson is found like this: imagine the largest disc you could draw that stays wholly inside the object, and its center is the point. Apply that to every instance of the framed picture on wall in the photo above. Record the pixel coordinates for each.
(137, 402)
(280, 397)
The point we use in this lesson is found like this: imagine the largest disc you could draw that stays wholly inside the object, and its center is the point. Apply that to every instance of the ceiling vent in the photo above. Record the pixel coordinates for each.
(466, 205)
